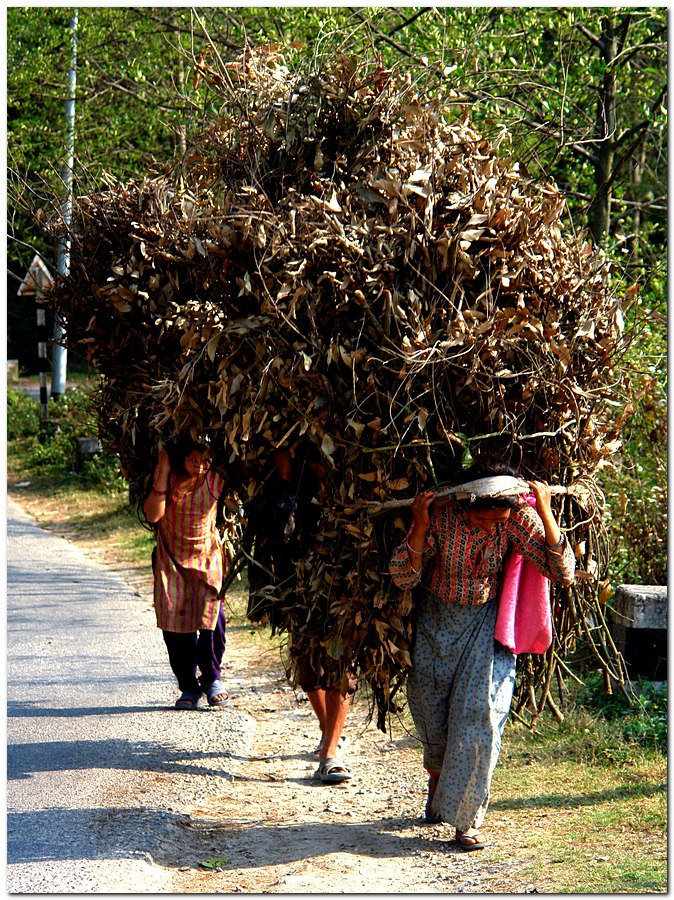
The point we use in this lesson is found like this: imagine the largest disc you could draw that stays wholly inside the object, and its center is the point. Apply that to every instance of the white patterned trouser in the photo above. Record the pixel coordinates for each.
(459, 694)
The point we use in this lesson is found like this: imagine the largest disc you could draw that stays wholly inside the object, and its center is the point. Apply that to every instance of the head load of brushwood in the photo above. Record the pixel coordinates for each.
(343, 260)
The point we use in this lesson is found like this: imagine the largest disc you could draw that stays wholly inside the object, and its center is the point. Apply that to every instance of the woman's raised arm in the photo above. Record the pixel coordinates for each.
(155, 505)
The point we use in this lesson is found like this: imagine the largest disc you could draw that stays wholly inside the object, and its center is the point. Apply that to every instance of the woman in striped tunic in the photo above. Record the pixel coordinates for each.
(462, 679)
(188, 570)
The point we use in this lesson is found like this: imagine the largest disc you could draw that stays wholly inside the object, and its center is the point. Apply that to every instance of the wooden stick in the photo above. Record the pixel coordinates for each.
(457, 493)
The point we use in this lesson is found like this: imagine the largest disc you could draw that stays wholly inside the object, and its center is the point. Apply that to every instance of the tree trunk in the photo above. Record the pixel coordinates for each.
(181, 131)
(638, 167)
(605, 129)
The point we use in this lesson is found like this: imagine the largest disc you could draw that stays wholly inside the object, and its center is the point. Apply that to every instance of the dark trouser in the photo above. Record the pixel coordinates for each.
(271, 579)
(204, 649)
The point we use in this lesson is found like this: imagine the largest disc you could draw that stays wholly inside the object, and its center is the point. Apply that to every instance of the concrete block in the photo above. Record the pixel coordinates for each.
(12, 371)
(86, 448)
(639, 628)
(641, 605)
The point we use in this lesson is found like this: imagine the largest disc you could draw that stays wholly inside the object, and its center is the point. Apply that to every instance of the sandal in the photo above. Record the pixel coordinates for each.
(469, 842)
(332, 771)
(216, 694)
(188, 700)
(341, 744)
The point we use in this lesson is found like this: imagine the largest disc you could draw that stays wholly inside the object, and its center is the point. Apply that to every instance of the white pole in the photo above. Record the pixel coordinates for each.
(59, 353)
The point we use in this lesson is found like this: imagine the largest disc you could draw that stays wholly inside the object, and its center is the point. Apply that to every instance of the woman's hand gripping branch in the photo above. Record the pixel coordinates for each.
(421, 524)
(542, 493)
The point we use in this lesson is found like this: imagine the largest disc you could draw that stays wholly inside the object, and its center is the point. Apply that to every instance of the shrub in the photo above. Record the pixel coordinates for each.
(102, 473)
(23, 415)
(54, 452)
(54, 455)
(74, 413)
(642, 722)
(636, 490)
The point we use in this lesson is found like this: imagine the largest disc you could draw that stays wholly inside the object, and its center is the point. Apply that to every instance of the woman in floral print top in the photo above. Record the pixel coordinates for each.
(462, 550)
(462, 680)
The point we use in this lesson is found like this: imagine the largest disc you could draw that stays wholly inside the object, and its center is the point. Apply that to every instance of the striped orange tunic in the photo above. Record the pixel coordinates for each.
(190, 562)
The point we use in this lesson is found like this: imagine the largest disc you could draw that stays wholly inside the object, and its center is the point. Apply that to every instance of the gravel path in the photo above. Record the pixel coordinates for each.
(101, 771)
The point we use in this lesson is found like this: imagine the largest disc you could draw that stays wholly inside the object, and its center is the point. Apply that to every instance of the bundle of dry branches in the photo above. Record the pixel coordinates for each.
(340, 261)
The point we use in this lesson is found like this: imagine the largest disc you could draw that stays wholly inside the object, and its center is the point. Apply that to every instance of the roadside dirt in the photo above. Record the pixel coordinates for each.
(272, 828)
(283, 832)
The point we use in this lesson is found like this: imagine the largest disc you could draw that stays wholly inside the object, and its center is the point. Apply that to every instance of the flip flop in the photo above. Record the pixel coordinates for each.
(332, 771)
(213, 690)
(188, 700)
(469, 842)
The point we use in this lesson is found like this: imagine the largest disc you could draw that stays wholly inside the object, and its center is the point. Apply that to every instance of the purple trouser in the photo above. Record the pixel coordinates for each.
(203, 649)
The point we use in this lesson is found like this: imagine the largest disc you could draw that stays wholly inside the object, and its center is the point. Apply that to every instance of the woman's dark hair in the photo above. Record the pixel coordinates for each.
(489, 469)
(180, 449)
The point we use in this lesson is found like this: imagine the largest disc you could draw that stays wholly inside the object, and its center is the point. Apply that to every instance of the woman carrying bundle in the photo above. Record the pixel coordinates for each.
(462, 679)
(188, 568)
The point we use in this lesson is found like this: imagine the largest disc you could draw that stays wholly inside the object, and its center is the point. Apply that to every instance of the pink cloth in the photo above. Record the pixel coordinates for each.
(524, 620)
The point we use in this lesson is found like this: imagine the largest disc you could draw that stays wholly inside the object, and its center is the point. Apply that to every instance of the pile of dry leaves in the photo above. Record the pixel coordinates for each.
(340, 261)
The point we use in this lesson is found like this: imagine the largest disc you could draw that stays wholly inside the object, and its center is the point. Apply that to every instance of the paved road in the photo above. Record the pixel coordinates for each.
(101, 769)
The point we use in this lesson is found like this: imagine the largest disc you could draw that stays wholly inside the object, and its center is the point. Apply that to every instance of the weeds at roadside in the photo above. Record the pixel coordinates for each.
(590, 805)
(644, 722)
(49, 458)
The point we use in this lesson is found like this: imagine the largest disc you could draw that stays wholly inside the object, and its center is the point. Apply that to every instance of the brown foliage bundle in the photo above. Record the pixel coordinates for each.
(340, 261)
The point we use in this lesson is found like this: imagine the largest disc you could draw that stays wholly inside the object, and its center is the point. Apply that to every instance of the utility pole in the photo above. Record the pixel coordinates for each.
(59, 353)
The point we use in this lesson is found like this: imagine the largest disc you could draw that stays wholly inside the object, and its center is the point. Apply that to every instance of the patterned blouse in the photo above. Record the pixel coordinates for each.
(463, 563)
(189, 564)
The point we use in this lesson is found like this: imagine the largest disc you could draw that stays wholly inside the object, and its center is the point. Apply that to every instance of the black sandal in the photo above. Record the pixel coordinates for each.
(469, 842)
(188, 700)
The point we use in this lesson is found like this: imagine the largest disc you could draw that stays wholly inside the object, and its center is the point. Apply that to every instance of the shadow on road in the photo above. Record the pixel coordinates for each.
(91, 834)
(174, 841)
(261, 844)
(25, 760)
(25, 710)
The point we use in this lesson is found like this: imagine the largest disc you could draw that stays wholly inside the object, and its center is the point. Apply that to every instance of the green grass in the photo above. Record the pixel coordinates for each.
(48, 457)
(602, 827)
(91, 505)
